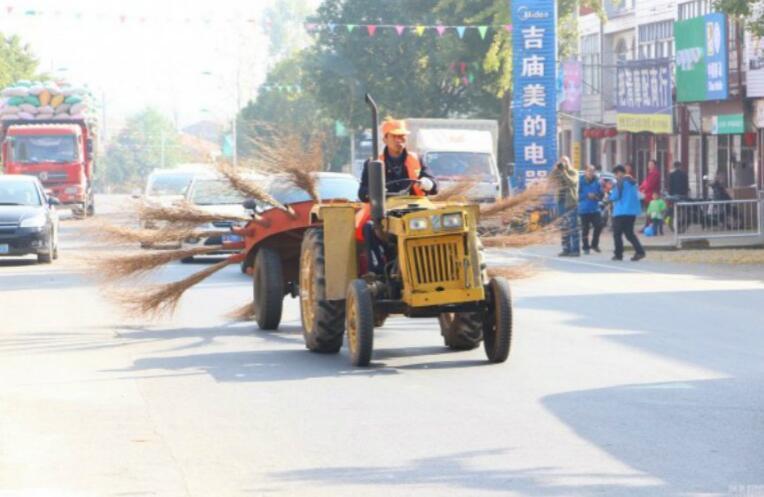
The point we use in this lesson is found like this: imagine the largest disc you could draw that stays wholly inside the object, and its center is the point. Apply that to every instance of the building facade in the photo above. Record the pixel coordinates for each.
(672, 81)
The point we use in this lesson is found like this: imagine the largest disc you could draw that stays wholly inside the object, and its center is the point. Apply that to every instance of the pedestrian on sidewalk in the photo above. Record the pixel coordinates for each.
(626, 208)
(650, 186)
(565, 178)
(656, 210)
(590, 194)
(679, 183)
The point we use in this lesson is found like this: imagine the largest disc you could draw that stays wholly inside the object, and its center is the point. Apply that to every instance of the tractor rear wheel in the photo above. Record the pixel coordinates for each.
(360, 323)
(497, 325)
(268, 289)
(461, 330)
(323, 321)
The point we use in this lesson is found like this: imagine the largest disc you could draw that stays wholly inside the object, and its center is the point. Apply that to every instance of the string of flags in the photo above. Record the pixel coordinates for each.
(123, 18)
(402, 29)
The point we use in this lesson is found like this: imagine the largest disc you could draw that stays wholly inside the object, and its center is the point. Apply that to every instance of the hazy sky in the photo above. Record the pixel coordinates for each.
(155, 61)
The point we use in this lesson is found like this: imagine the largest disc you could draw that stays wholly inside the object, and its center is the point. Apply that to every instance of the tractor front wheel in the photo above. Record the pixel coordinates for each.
(461, 330)
(497, 325)
(360, 323)
(323, 321)
(268, 289)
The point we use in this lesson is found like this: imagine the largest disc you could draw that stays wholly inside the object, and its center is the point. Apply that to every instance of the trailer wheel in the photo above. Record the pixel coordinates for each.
(497, 325)
(323, 321)
(461, 330)
(268, 289)
(360, 323)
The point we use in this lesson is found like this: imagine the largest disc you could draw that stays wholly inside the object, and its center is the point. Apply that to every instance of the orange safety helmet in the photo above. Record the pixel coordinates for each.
(394, 127)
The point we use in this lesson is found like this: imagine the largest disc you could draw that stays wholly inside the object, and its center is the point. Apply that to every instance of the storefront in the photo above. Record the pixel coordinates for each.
(644, 109)
(730, 147)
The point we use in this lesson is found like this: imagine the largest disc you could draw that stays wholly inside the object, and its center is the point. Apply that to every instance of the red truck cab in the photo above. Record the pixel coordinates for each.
(59, 153)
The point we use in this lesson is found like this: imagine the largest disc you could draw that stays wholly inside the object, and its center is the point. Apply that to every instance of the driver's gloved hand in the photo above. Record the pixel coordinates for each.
(426, 184)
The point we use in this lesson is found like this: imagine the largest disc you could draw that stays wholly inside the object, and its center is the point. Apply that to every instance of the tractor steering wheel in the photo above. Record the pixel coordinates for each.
(401, 193)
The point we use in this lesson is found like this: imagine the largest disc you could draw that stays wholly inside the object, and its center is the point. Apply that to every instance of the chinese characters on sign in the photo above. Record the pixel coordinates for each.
(534, 102)
(702, 58)
(643, 97)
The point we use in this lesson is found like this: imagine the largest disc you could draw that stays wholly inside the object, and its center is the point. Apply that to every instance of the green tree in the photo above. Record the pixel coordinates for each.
(16, 61)
(282, 105)
(751, 14)
(408, 75)
(148, 141)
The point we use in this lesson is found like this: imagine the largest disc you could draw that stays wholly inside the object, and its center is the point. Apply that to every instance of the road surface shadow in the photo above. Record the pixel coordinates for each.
(17, 262)
(699, 437)
(461, 471)
(258, 365)
(718, 330)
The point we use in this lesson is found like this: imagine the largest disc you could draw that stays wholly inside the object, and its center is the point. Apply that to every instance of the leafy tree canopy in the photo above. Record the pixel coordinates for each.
(750, 12)
(148, 140)
(17, 61)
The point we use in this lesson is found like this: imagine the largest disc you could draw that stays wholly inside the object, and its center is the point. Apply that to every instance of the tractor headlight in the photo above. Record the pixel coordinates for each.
(418, 223)
(451, 221)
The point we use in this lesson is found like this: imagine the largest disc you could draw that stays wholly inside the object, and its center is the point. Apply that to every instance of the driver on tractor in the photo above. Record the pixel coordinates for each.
(404, 174)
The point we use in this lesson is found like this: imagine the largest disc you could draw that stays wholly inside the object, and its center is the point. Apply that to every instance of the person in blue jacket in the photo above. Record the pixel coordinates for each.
(589, 195)
(626, 208)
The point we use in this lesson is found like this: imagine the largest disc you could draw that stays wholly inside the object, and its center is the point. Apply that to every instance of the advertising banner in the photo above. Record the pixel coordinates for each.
(643, 96)
(534, 103)
(724, 124)
(572, 86)
(701, 58)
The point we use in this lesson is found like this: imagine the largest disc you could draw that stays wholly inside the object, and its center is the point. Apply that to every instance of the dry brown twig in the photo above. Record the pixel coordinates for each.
(111, 233)
(516, 205)
(125, 266)
(517, 272)
(246, 186)
(184, 214)
(163, 299)
(289, 154)
(521, 240)
(243, 313)
(455, 191)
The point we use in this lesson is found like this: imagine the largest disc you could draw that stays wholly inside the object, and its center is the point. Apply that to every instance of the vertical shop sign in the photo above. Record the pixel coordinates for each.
(534, 103)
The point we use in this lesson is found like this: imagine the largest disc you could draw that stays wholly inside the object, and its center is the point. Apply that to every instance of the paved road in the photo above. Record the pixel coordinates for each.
(624, 380)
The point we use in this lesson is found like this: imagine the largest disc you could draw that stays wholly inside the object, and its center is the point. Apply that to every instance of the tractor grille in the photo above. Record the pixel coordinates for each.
(436, 261)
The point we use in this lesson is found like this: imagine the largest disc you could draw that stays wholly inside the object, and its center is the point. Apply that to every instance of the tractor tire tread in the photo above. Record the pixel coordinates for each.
(329, 318)
(268, 289)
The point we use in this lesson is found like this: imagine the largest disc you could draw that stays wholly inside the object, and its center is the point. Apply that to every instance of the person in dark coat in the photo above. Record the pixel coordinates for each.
(589, 195)
(679, 182)
(403, 169)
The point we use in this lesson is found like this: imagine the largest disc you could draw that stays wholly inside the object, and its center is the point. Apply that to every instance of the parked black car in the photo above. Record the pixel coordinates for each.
(28, 219)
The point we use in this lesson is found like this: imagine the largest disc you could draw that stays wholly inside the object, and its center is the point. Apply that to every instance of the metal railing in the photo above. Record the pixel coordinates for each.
(703, 220)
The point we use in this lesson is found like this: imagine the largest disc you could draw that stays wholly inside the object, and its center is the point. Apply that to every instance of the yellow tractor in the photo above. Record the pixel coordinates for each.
(433, 267)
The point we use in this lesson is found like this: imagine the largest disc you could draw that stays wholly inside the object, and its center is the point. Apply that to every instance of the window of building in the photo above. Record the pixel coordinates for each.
(615, 8)
(694, 8)
(590, 57)
(656, 40)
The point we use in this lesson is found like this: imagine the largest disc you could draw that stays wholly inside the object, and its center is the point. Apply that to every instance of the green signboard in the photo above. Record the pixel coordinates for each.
(701, 58)
(728, 124)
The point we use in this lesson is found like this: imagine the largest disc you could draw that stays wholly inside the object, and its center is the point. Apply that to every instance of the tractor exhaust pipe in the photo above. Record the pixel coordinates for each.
(376, 169)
